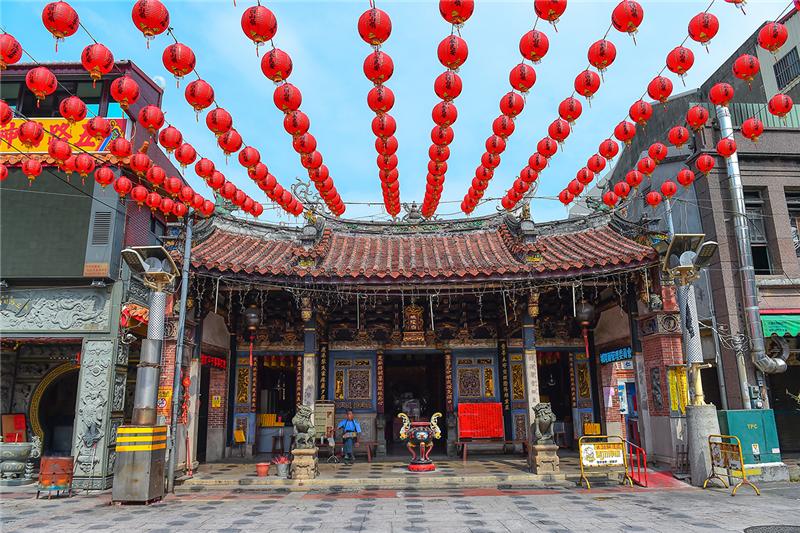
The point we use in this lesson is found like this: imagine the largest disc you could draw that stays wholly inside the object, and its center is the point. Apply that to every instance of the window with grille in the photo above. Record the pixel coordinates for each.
(755, 213)
(787, 69)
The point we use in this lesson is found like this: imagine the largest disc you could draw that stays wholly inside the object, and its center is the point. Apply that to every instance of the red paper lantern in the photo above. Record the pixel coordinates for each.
(125, 91)
(59, 150)
(507, 203)
(386, 146)
(61, 20)
(97, 60)
(151, 118)
(228, 190)
(204, 168)
(608, 149)
(640, 112)
(566, 197)
(219, 121)
(653, 198)
(596, 163)
(257, 209)
(668, 189)
(197, 201)
(528, 175)
(622, 189)
(123, 186)
(512, 104)
(447, 86)
(151, 18)
(705, 163)
(104, 176)
(686, 177)
(547, 147)
(10, 50)
(276, 65)
(495, 144)
(287, 97)
(444, 114)
(296, 123)
(98, 128)
(179, 210)
(32, 168)
(740, 3)
(208, 208)
(380, 99)
(378, 67)
(442, 135)
(678, 136)
(120, 148)
(72, 109)
(384, 125)
(319, 174)
(520, 187)
(658, 152)
(537, 162)
(230, 141)
(456, 11)
(625, 131)
(31, 134)
(138, 194)
(726, 147)
(41, 82)
(627, 17)
(239, 197)
(257, 172)
(216, 180)
(249, 157)
(610, 199)
(660, 88)
(491, 161)
(772, 36)
(374, 26)
(696, 117)
(156, 175)
(259, 25)
(522, 77)
(248, 204)
(185, 154)
(646, 166)
(584, 176)
(746, 67)
(752, 128)
(550, 10)
(6, 114)
(634, 178)
(173, 186)
(312, 160)
(84, 164)
(452, 51)
(559, 130)
(534, 45)
(139, 163)
(703, 27)
(179, 59)
(587, 83)
(680, 60)
(780, 105)
(570, 109)
(170, 138)
(503, 126)
(199, 94)
(166, 206)
(721, 94)
(602, 54)
(387, 163)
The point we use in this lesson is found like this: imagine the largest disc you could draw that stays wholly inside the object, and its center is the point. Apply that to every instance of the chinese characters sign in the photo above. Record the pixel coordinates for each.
(598, 454)
(75, 134)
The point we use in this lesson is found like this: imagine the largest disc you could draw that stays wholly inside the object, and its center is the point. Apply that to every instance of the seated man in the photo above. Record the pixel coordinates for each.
(350, 431)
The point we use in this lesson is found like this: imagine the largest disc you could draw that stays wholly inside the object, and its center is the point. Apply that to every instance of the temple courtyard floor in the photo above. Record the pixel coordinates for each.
(231, 499)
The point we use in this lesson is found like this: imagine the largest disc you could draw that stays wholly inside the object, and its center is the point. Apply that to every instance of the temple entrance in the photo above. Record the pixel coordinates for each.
(413, 384)
(556, 387)
(276, 404)
(56, 414)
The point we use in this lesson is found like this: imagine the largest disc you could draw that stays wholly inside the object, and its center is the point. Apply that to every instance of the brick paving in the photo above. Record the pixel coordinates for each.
(439, 511)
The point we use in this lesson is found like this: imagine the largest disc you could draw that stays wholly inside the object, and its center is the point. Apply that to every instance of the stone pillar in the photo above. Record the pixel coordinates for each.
(529, 351)
(310, 361)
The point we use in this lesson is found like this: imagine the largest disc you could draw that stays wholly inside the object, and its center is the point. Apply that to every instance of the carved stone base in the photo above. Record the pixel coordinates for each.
(543, 459)
(304, 464)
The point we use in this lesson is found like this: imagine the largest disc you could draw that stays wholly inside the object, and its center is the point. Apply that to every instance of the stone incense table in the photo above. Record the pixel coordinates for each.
(544, 459)
(304, 464)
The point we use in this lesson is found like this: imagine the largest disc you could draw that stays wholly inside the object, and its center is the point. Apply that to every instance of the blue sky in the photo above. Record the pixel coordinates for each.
(322, 39)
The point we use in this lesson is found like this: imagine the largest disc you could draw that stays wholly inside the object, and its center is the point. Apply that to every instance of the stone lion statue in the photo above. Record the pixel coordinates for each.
(304, 430)
(542, 427)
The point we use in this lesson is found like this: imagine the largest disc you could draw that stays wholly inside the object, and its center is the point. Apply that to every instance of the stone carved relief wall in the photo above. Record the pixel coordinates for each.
(56, 310)
(92, 416)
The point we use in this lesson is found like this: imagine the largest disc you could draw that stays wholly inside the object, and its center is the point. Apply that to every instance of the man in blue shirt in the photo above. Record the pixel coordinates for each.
(350, 431)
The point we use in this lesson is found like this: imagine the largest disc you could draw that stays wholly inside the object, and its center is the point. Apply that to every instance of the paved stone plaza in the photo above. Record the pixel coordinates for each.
(463, 510)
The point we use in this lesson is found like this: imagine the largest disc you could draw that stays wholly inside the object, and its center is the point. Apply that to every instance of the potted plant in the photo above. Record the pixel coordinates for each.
(282, 462)
(262, 469)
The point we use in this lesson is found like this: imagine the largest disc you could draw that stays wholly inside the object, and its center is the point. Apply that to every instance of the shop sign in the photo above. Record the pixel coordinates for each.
(612, 356)
(75, 134)
(726, 455)
(216, 362)
(164, 401)
(603, 454)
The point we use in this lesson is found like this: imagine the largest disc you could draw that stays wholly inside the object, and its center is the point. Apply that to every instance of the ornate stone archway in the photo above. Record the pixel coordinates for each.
(38, 393)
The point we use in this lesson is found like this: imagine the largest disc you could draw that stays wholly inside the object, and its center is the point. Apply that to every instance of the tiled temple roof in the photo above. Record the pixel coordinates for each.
(484, 250)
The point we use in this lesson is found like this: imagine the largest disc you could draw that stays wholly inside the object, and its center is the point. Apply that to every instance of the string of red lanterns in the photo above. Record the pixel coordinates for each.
(452, 53)
(375, 27)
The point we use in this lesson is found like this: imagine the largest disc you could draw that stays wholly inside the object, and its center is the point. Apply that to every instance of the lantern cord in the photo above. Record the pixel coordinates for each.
(87, 32)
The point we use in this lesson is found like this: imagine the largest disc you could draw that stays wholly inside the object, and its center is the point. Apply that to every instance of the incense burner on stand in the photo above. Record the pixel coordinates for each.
(420, 435)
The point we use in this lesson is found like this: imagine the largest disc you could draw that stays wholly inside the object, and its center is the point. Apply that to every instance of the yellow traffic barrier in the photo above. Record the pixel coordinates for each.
(598, 451)
(726, 453)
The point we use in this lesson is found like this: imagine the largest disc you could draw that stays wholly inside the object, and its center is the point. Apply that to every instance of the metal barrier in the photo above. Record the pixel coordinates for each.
(637, 464)
(727, 455)
(597, 451)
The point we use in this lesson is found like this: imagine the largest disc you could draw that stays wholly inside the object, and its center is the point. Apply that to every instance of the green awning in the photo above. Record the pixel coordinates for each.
(781, 325)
